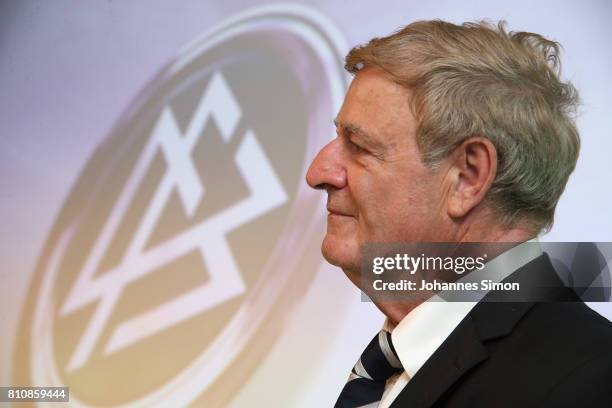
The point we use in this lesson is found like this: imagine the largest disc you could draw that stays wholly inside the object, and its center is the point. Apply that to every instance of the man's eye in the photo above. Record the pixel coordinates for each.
(355, 147)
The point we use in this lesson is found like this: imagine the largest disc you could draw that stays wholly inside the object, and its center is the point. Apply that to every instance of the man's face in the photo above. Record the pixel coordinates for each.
(378, 188)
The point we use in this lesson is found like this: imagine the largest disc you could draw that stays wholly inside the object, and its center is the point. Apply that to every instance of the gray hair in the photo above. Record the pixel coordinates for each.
(477, 79)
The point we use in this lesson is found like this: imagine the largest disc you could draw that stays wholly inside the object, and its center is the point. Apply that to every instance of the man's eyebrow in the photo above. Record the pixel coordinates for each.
(357, 130)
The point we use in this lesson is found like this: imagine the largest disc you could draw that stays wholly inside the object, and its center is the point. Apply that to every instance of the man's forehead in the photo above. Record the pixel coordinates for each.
(375, 83)
(374, 101)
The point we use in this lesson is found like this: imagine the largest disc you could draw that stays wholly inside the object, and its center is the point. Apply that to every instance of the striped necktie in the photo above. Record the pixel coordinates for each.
(366, 383)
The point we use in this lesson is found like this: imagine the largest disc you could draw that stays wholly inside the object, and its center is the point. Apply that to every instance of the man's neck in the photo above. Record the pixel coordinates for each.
(396, 311)
(483, 227)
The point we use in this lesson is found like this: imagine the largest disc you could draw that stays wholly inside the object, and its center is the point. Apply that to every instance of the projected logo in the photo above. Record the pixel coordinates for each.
(190, 234)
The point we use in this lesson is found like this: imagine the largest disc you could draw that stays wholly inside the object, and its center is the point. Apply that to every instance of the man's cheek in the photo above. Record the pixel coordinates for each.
(371, 227)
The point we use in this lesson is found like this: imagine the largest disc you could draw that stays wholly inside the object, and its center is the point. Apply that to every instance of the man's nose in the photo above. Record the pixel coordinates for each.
(326, 170)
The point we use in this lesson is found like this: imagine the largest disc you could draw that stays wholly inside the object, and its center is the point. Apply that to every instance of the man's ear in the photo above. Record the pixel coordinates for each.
(472, 170)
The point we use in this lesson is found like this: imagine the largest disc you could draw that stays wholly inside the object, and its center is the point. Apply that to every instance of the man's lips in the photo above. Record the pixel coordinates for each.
(336, 211)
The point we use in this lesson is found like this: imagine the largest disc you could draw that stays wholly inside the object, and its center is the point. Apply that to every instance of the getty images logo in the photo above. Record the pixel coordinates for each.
(191, 225)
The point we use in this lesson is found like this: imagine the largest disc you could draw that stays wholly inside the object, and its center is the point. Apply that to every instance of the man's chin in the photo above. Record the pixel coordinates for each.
(337, 255)
(348, 261)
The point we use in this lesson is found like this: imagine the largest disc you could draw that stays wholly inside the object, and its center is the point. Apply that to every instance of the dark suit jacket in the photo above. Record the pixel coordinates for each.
(556, 352)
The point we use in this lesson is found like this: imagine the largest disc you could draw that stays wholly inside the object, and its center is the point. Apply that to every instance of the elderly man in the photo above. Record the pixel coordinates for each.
(461, 134)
